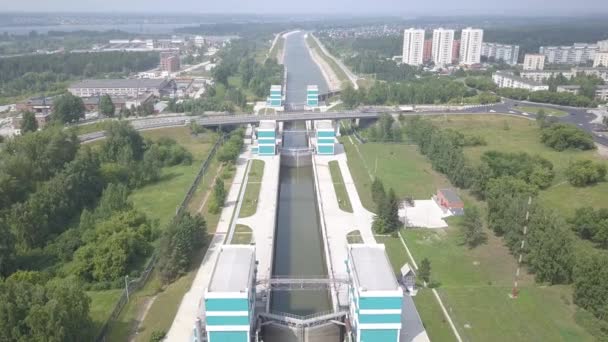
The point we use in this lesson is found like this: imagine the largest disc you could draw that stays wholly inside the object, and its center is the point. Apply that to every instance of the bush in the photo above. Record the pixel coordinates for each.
(561, 136)
(585, 172)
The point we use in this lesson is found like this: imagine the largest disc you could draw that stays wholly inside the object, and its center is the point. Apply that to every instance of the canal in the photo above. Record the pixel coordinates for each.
(298, 249)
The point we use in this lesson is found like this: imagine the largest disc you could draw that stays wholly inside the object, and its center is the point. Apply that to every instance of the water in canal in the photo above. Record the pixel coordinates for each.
(299, 243)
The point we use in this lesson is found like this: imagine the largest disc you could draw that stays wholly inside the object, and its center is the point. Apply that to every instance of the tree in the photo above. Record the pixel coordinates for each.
(378, 192)
(219, 192)
(472, 225)
(7, 250)
(585, 172)
(424, 271)
(591, 283)
(350, 97)
(29, 123)
(561, 136)
(68, 108)
(106, 106)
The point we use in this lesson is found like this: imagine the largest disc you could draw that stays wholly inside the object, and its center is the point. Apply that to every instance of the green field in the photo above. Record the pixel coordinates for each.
(475, 283)
(242, 235)
(522, 135)
(102, 304)
(548, 110)
(252, 191)
(339, 187)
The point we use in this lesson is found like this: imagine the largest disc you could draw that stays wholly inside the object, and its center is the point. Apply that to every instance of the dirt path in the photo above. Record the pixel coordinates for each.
(141, 315)
(219, 170)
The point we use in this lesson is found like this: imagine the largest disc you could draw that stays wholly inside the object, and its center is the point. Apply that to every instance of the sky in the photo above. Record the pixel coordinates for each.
(394, 7)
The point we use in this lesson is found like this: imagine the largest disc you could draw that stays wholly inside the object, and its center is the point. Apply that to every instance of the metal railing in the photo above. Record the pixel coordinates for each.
(138, 283)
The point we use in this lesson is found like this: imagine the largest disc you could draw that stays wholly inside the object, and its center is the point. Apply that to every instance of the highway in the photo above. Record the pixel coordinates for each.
(577, 116)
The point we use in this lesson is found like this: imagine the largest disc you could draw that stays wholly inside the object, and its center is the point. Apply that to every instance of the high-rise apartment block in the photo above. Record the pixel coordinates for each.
(169, 62)
(534, 61)
(507, 53)
(601, 59)
(413, 46)
(443, 41)
(470, 46)
(427, 54)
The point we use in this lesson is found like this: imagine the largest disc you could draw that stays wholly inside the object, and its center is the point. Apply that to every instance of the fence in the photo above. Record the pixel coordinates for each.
(138, 283)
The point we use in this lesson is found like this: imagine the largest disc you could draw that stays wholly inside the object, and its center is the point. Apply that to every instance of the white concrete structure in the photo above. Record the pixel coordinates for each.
(413, 46)
(424, 214)
(534, 61)
(542, 75)
(508, 53)
(443, 41)
(602, 45)
(575, 54)
(508, 80)
(601, 59)
(470, 46)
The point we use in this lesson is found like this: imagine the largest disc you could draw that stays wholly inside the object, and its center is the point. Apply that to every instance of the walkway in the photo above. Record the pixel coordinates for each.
(192, 305)
(263, 222)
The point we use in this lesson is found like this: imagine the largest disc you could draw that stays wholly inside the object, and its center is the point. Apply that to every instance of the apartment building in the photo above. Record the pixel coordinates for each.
(443, 41)
(505, 52)
(508, 80)
(601, 59)
(575, 54)
(534, 61)
(470, 46)
(413, 46)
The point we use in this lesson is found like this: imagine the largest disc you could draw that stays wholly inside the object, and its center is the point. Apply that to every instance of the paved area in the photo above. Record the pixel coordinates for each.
(339, 223)
(263, 222)
(424, 214)
(412, 329)
(192, 305)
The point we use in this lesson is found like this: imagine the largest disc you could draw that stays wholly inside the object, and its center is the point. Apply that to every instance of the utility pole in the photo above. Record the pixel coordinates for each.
(127, 286)
(515, 291)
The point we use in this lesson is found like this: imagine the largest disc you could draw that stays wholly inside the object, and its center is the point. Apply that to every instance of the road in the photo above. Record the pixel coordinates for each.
(577, 116)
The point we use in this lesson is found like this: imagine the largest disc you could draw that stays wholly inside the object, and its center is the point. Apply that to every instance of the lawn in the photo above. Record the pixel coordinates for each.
(536, 109)
(399, 166)
(473, 283)
(102, 304)
(252, 191)
(242, 235)
(339, 187)
(522, 135)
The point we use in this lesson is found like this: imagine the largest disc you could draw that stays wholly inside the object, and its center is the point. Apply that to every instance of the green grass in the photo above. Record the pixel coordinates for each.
(252, 191)
(354, 237)
(399, 166)
(102, 304)
(523, 136)
(242, 235)
(90, 128)
(548, 110)
(339, 187)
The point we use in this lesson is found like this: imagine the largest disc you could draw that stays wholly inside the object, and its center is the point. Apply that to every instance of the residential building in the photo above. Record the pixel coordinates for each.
(602, 45)
(230, 297)
(169, 62)
(470, 46)
(443, 41)
(325, 135)
(413, 46)
(575, 54)
(572, 89)
(375, 297)
(266, 144)
(507, 53)
(427, 54)
(601, 59)
(598, 72)
(541, 76)
(276, 97)
(508, 80)
(36, 105)
(601, 92)
(455, 51)
(448, 199)
(42, 118)
(534, 61)
(312, 96)
(122, 87)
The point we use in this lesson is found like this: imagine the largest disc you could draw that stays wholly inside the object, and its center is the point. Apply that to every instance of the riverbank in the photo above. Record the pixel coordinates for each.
(334, 83)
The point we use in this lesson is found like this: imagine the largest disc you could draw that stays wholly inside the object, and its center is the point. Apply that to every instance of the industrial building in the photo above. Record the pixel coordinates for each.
(505, 52)
(266, 143)
(470, 46)
(375, 297)
(122, 87)
(325, 135)
(312, 96)
(230, 297)
(276, 97)
(413, 46)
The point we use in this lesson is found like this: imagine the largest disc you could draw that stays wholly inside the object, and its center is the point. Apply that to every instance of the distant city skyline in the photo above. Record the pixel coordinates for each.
(393, 7)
